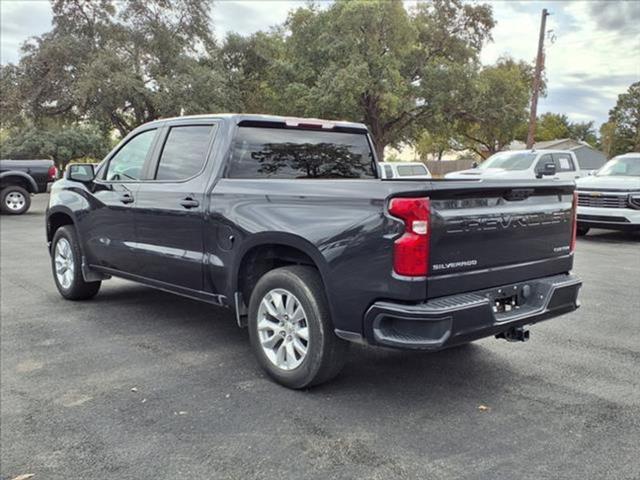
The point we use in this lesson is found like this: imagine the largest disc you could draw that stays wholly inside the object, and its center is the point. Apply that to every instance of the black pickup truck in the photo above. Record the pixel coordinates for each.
(19, 179)
(286, 222)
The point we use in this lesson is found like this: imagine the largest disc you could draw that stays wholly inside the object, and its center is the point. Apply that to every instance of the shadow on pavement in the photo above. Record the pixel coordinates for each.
(393, 374)
(610, 236)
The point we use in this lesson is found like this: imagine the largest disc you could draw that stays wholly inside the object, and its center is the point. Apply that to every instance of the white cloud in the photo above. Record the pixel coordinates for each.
(248, 16)
(20, 20)
(594, 58)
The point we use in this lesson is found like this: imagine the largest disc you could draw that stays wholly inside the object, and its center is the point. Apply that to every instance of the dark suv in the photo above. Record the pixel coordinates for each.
(286, 222)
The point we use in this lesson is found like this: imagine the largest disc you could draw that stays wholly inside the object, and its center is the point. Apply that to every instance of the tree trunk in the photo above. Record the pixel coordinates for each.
(372, 119)
(379, 148)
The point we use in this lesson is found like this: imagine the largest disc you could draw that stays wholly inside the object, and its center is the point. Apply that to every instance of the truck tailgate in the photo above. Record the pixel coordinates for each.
(491, 234)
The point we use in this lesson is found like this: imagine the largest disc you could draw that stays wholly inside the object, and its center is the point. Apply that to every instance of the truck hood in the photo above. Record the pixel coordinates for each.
(494, 173)
(608, 183)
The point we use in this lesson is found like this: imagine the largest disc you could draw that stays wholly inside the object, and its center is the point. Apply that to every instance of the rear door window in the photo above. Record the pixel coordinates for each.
(564, 162)
(184, 153)
(260, 152)
(388, 171)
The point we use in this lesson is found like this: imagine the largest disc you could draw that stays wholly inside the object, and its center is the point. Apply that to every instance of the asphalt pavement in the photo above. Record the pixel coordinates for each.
(142, 384)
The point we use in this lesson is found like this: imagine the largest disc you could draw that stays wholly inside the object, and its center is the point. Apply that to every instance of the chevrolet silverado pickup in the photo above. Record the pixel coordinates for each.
(286, 222)
(19, 179)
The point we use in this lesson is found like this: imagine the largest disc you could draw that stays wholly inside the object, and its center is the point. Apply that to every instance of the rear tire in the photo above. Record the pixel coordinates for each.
(291, 330)
(581, 230)
(66, 264)
(15, 200)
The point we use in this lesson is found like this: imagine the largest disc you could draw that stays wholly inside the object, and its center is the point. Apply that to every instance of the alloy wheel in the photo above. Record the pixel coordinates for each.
(282, 329)
(65, 267)
(14, 201)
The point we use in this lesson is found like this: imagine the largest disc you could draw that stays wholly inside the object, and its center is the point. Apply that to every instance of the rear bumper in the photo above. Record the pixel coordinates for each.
(449, 321)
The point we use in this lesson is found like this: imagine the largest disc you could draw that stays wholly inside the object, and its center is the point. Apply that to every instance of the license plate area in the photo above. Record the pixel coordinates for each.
(507, 300)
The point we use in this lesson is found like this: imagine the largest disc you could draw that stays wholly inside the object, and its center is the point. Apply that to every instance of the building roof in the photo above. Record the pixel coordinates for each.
(558, 144)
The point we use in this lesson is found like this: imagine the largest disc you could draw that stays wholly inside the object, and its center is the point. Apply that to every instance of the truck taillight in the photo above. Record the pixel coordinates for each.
(52, 173)
(411, 250)
(574, 221)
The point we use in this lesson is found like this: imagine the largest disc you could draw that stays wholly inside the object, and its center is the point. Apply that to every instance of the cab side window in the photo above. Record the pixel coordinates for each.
(127, 164)
(564, 162)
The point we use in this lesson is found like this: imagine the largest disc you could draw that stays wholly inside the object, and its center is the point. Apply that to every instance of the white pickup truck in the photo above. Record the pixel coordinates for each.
(524, 164)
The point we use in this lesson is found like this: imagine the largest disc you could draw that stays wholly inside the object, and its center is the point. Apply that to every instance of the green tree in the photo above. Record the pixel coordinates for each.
(60, 144)
(375, 62)
(120, 67)
(497, 106)
(10, 101)
(555, 126)
(584, 132)
(552, 126)
(433, 145)
(621, 133)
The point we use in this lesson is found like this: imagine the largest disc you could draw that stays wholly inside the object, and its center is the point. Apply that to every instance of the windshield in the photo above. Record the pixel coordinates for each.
(509, 161)
(621, 167)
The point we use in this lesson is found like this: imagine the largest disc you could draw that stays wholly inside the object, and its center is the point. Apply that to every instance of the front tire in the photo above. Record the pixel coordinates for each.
(291, 330)
(581, 230)
(66, 263)
(15, 200)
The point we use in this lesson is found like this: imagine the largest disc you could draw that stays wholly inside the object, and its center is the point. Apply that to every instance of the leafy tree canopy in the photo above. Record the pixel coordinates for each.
(621, 133)
(375, 62)
(60, 144)
(119, 64)
(497, 106)
(553, 126)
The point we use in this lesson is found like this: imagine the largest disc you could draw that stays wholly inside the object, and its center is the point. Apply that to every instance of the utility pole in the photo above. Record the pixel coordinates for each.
(537, 80)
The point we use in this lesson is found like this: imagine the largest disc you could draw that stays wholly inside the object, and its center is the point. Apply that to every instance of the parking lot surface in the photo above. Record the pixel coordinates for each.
(139, 383)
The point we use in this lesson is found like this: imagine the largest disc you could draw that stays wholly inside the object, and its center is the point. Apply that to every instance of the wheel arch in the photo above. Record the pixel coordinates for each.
(58, 217)
(14, 177)
(265, 252)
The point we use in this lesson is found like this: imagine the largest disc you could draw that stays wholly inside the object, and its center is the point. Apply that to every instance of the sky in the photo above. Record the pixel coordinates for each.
(592, 55)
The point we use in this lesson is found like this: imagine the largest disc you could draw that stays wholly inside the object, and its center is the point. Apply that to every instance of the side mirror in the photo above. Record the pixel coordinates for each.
(548, 169)
(81, 172)
(474, 165)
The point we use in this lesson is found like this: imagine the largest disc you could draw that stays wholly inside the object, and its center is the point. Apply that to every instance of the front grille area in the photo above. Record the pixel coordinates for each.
(601, 200)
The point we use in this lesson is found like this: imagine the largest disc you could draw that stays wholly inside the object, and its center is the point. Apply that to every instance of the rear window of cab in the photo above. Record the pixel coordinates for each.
(260, 152)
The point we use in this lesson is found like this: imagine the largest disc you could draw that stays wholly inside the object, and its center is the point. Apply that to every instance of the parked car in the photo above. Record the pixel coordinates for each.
(610, 198)
(400, 170)
(287, 223)
(524, 164)
(19, 179)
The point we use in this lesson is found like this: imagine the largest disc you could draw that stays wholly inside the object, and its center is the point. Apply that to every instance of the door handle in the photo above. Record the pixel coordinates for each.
(126, 198)
(189, 203)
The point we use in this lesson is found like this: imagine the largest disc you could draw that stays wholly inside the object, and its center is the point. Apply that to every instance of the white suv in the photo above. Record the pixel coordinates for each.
(611, 197)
